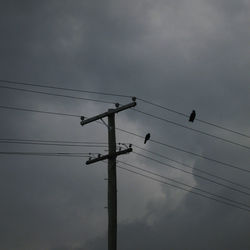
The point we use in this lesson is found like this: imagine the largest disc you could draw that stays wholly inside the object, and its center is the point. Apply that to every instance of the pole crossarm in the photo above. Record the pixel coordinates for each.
(108, 156)
(108, 113)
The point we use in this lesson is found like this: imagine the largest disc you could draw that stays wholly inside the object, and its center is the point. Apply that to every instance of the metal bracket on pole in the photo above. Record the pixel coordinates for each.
(104, 123)
(105, 157)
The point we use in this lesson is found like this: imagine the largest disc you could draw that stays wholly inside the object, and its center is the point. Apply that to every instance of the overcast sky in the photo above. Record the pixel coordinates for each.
(182, 54)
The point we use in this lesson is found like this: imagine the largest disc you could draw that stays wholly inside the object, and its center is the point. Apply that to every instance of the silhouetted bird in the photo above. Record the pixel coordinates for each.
(147, 137)
(192, 116)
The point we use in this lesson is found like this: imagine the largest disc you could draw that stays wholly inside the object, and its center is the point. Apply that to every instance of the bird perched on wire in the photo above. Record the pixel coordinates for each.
(147, 137)
(192, 116)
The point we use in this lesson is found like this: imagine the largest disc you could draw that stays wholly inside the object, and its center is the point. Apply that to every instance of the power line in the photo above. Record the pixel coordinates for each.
(54, 144)
(186, 151)
(44, 112)
(188, 166)
(129, 133)
(59, 153)
(184, 189)
(38, 111)
(150, 172)
(159, 118)
(193, 174)
(163, 144)
(192, 129)
(63, 88)
(184, 184)
(96, 144)
(54, 94)
(51, 141)
(126, 96)
(197, 119)
(85, 155)
(201, 156)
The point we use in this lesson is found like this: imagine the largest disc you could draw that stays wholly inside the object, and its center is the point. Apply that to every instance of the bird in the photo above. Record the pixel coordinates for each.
(192, 116)
(147, 137)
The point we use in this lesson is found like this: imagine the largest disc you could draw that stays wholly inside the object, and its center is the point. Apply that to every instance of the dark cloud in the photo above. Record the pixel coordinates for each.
(184, 55)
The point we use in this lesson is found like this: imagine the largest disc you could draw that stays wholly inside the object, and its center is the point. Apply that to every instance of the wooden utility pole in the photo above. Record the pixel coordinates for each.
(112, 186)
(111, 156)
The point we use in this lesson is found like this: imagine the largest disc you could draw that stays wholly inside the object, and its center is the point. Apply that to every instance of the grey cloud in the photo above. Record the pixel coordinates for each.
(185, 55)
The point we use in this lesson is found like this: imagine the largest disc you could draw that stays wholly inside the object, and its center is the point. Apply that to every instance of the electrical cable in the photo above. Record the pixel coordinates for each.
(186, 151)
(51, 141)
(193, 174)
(197, 169)
(166, 145)
(184, 184)
(197, 119)
(126, 96)
(38, 111)
(54, 94)
(192, 129)
(63, 88)
(85, 155)
(90, 144)
(54, 144)
(184, 189)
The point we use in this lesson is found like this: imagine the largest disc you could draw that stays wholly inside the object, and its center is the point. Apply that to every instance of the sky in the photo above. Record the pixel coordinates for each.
(183, 55)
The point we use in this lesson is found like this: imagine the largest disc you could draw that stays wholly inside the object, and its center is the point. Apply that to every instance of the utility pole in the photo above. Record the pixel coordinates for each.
(111, 156)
